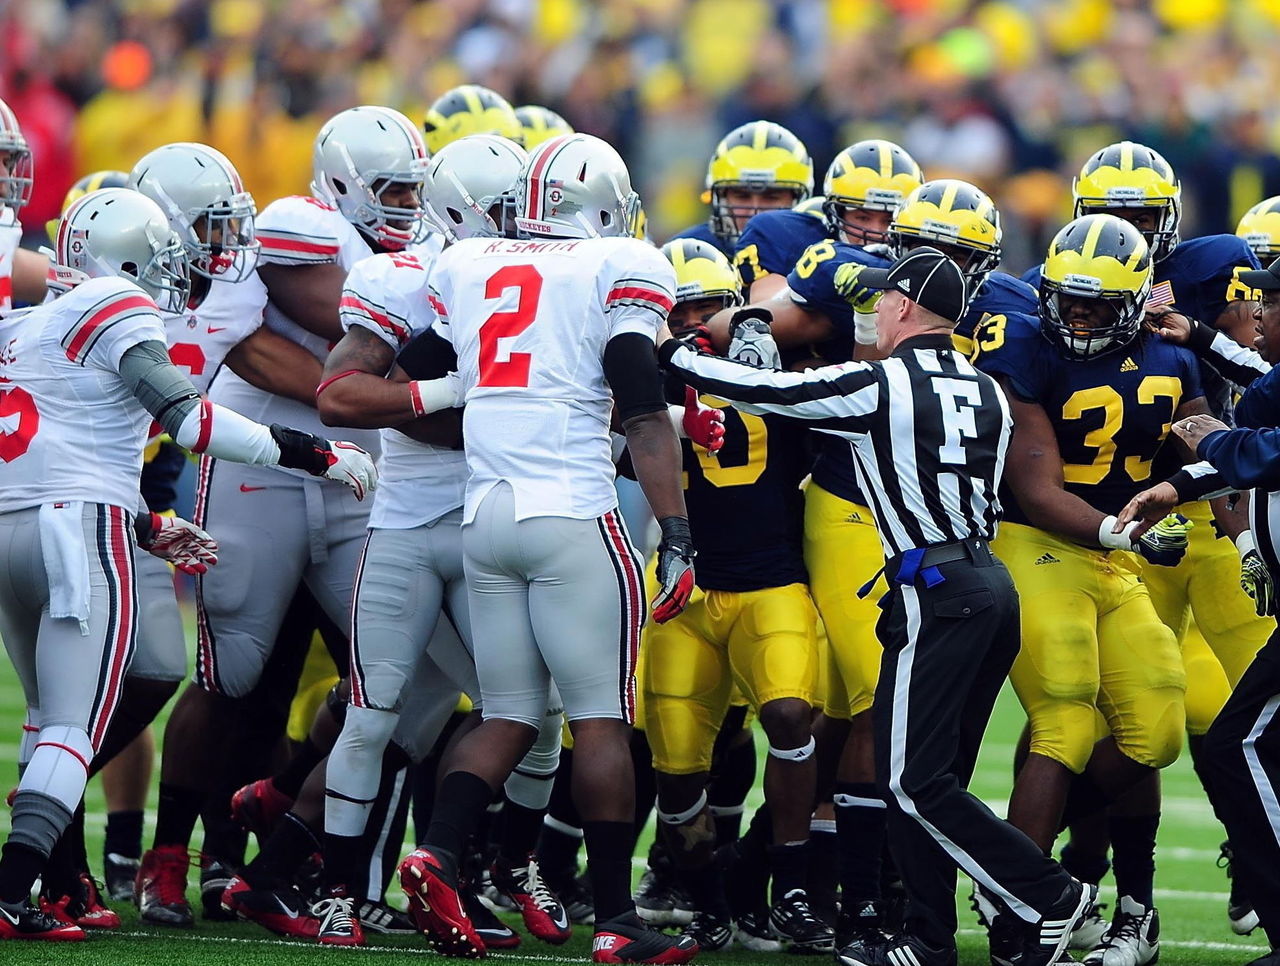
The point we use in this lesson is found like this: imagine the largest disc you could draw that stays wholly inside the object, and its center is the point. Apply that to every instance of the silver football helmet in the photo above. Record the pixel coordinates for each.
(575, 186)
(18, 180)
(363, 153)
(471, 186)
(201, 193)
(117, 231)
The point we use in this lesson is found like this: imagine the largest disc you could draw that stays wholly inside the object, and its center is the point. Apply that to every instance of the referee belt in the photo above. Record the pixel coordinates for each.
(921, 563)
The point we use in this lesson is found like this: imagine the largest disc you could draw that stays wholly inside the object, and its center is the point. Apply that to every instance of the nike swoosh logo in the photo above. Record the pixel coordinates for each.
(250, 489)
(221, 328)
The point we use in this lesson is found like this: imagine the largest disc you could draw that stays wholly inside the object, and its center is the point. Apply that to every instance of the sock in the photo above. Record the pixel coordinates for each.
(1133, 851)
(788, 864)
(729, 788)
(823, 868)
(706, 889)
(19, 868)
(289, 781)
(646, 781)
(747, 881)
(1084, 866)
(289, 845)
(1085, 797)
(342, 855)
(61, 874)
(519, 831)
(861, 831)
(176, 814)
(609, 865)
(124, 833)
(462, 799)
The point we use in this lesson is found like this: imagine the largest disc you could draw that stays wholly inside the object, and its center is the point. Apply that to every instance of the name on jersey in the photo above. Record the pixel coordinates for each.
(505, 246)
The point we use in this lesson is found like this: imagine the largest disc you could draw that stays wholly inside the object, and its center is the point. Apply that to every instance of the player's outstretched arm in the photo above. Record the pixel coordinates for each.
(355, 391)
(277, 365)
(201, 426)
(792, 324)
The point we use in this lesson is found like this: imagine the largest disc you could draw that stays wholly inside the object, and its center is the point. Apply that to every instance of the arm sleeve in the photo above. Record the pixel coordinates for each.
(194, 423)
(1199, 481)
(428, 356)
(1259, 407)
(632, 372)
(846, 392)
(1245, 457)
(1231, 360)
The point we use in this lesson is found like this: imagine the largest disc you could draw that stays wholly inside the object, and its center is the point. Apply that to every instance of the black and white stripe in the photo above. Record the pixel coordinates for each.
(929, 432)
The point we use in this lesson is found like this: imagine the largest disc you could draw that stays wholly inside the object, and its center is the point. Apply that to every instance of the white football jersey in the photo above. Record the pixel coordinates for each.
(298, 230)
(70, 429)
(199, 339)
(530, 321)
(388, 295)
(10, 236)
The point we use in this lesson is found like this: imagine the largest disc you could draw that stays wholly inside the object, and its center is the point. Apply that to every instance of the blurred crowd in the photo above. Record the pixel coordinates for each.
(1009, 94)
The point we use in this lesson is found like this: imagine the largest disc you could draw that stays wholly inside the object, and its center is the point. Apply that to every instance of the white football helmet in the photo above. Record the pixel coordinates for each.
(575, 186)
(16, 184)
(358, 155)
(201, 193)
(118, 231)
(469, 179)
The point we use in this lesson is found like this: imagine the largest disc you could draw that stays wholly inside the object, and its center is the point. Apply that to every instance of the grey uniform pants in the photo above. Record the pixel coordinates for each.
(553, 599)
(162, 645)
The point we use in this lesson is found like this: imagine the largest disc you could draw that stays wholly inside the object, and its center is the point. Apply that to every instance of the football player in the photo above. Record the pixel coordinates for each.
(88, 372)
(861, 189)
(756, 167)
(469, 109)
(556, 590)
(753, 624)
(1260, 229)
(22, 273)
(1093, 396)
(538, 124)
(279, 529)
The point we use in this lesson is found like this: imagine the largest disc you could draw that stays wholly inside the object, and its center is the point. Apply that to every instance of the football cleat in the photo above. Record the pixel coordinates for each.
(576, 897)
(338, 924)
(544, 915)
(120, 871)
(1240, 911)
(258, 806)
(626, 939)
(752, 931)
(711, 934)
(495, 933)
(862, 923)
(381, 918)
(22, 920)
(84, 909)
(898, 951)
(215, 876)
(1090, 929)
(1132, 940)
(659, 901)
(1005, 933)
(794, 923)
(161, 888)
(1050, 939)
(281, 911)
(437, 908)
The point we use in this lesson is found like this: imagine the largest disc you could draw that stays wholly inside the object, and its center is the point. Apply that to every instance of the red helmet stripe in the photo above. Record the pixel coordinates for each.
(535, 174)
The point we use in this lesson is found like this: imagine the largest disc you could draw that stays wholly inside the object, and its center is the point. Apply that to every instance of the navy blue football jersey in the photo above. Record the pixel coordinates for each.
(1000, 294)
(746, 509)
(773, 242)
(702, 232)
(1111, 415)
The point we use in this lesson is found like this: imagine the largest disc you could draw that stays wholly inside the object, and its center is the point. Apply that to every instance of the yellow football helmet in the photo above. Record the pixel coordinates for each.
(468, 109)
(90, 182)
(1260, 228)
(538, 124)
(1097, 257)
(702, 272)
(873, 174)
(756, 156)
(1125, 176)
(812, 206)
(955, 217)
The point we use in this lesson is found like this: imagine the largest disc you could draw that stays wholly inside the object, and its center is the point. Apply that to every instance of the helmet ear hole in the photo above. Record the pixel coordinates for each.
(454, 215)
(130, 267)
(606, 219)
(340, 185)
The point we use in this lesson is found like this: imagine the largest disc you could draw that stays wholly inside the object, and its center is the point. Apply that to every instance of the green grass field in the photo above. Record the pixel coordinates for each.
(1190, 891)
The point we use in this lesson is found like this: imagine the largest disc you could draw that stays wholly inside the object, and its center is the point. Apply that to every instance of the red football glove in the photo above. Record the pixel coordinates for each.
(699, 339)
(675, 569)
(703, 425)
(181, 543)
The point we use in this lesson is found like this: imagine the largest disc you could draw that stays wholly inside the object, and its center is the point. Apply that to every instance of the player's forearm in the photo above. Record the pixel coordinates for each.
(308, 294)
(655, 457)
(277, 365)
(366, 401)
(1056, 510)
(1231, 518)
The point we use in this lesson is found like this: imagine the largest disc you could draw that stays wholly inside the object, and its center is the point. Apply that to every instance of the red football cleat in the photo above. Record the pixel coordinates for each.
(22, 920)
(258, 806)
(282, 911)
(628, 940)
(85, 909)
(162, 887)
(437, 908)
(544, 915)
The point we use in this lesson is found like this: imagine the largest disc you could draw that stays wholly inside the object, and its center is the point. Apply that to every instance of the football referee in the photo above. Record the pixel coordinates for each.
(929, 435)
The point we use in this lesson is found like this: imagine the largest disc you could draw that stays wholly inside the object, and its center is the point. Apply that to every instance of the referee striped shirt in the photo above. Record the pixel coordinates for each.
(929, 431)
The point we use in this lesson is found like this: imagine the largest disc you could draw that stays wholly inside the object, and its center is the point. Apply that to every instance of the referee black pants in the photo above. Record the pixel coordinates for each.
(947, 650)
(1241, 770)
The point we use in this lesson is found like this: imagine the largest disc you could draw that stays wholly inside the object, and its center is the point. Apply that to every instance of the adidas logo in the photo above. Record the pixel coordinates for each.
(1128, 365)
(1046, 558)
(853, 518)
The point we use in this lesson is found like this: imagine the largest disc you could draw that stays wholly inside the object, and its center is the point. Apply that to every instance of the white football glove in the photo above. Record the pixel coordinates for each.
(751, 339)
(181, 543)
(351, 465)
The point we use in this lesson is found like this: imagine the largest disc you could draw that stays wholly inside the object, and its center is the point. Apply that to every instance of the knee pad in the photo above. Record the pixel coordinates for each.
(1157, 741)
(530, 784)
(367, 731)
(1065, 732)
(59, 766)
(1207, 687)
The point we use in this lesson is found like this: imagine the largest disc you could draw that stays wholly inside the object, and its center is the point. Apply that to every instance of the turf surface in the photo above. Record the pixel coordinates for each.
(1190, 892)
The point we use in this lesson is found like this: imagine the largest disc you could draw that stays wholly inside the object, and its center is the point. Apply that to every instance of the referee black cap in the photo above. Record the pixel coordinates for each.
(927, 277)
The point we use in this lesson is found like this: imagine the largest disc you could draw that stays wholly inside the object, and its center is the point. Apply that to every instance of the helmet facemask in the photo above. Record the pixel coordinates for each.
(725, 216)
(222, 242)
(359, 199)
(1074, 338)
(16, 186)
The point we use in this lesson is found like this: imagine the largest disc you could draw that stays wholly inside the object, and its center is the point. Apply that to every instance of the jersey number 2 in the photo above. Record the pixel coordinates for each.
(499, 366)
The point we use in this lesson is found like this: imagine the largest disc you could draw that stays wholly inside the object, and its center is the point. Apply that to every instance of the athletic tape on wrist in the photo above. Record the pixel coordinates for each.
(794, 754)
(415, 399)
